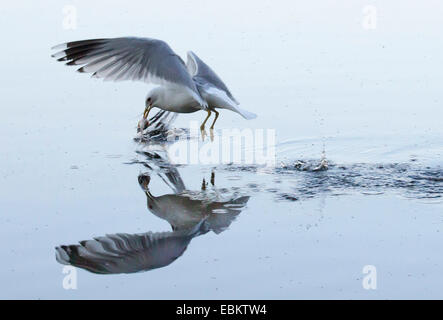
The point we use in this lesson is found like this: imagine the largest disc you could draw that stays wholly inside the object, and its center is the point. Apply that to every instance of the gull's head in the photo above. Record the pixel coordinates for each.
(143, 181)
(153, 100)
(155, 97)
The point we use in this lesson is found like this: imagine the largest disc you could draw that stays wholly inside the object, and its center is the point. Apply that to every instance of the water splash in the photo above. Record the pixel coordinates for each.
(335, 179)
(314, 177)
(159, 129)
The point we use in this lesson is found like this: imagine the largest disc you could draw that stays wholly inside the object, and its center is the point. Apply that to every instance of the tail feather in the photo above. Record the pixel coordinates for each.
(218, 97)
(244, 113)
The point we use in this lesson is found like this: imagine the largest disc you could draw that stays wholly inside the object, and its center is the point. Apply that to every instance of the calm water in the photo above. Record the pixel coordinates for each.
(358, 178)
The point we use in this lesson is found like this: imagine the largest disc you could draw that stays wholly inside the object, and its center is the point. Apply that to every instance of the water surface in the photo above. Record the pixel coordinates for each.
(358, 176)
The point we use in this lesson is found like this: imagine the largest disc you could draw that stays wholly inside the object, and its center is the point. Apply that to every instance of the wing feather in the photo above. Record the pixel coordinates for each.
(125, 253)
(129, 58)
(203, 73)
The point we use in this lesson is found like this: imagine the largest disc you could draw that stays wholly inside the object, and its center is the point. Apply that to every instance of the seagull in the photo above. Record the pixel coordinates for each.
(183, 88)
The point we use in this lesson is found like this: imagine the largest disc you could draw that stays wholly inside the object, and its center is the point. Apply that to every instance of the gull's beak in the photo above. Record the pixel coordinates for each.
(144, 123)
(145, 117)
(146, 113)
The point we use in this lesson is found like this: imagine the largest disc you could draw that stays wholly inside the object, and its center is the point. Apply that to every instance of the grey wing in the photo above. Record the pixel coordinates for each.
(125, 253)
(201, 72)
(129, 58)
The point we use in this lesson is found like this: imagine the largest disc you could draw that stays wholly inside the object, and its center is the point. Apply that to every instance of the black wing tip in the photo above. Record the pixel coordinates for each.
(73, 44)
(73, 51)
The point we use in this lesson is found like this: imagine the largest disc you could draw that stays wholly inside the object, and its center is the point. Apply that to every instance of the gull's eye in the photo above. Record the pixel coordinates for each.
(149, 99)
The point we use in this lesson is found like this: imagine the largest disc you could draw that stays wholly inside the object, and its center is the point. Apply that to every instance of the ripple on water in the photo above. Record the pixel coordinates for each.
(310, 178)
(411, 180)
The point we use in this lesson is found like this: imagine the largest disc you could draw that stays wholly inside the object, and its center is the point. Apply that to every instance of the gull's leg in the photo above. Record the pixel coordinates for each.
(202, 127)
(216, 116)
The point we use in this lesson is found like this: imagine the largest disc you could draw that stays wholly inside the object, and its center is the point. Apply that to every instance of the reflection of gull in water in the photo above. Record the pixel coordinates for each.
(184, 209)
(183, 88)
(190, 214)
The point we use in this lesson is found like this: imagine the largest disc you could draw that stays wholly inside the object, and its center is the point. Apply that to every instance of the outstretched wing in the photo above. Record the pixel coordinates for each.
(129, 58)
(201, 71)
(125, 253)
